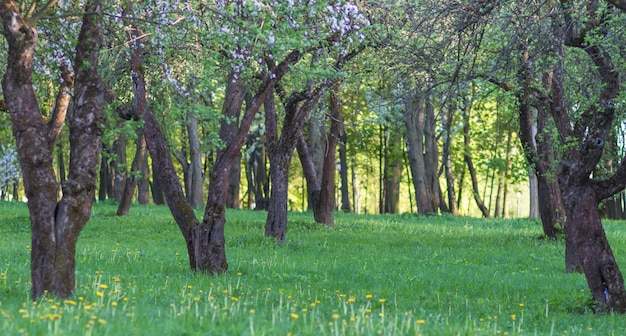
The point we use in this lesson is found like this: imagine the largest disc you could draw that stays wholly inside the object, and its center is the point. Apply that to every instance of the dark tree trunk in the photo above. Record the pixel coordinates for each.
(414, 121)
(581, 194)
(119, 167)
(343, 163)
(143, 185)
(431, 157)
(158, 196)
(163, 167)
(105, 177)
(280, 152)
(55, 226)
(393, 171)
(447, 161)
(195, 193)
(234, 181)
(256, 174)
(132, 179)
(325, 204)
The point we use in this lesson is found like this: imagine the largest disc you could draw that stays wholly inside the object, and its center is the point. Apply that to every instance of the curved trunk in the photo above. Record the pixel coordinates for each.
(587, 236)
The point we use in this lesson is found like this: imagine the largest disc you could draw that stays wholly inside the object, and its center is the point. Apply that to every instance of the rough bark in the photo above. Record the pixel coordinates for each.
(581, 194)
(55, 226)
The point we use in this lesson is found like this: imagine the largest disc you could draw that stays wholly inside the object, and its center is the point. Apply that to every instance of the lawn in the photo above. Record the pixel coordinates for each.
(372, 274)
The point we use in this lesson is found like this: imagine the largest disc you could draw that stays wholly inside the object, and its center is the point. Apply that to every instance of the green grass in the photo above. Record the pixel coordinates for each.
(390, 275)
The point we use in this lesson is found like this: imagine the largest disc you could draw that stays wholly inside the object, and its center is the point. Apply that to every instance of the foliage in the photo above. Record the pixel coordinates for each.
(436, 275)
(9, 167)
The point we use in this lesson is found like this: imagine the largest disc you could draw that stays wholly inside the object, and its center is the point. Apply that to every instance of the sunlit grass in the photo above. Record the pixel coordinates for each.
(389, 275)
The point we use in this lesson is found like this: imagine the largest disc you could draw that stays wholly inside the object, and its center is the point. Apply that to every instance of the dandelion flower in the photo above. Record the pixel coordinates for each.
(368, 296)
(335, 316)
(382, 300)
(99, 294)
(294, 316)
(420, 322)
(513, 317)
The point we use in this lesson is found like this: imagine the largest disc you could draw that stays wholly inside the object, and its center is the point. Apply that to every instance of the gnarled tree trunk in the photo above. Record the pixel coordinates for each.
(55, 226)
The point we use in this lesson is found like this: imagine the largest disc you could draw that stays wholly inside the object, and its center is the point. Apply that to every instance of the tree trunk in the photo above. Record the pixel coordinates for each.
(158, 196)
(343, 162)
(325, 204)
(143, 185)
(414, 121)
(55, 226)
(119, 167)
(393, 172)
(581, 194)
(280, 152)
(447, 161)
(132, 179)
(234, 181)
(431, 157)
(196, 181)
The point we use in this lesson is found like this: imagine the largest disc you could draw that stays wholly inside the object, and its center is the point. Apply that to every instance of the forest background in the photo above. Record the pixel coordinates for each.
(473, 108)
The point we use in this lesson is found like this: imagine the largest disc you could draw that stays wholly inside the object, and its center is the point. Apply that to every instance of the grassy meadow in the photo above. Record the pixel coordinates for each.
(371, 275)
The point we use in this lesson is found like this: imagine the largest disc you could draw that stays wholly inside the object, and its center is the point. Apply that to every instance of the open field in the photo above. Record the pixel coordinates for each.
(389, 275)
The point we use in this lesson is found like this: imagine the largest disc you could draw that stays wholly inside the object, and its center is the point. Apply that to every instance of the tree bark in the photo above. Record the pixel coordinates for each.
(447, 161)
(234, 181)
(581, 194)
(280, 152)
(393, 172)
(132, 179)
(414, 114)
(196, 180)
(143, 185)
(343, 162)
(55, 226)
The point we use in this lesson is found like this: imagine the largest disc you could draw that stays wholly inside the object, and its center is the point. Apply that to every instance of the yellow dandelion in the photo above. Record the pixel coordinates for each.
(239, 274)
(351, 299)
(368, 296)
(99, 294)
(102, 321)
(234, 299)
(114, 303)
(513, 317)
(251, 311)
(335, 316)
(294, 316)
(420, 322)
(70, 302)
(196, 299)
(521, 305)
(104, 286)
(382, 300)
(225, 291)
(189, 286)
